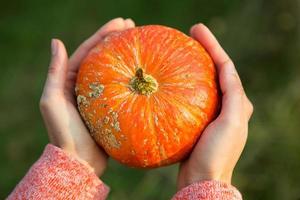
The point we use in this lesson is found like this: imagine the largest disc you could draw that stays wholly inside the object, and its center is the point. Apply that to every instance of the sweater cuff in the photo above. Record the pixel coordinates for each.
(208, 190)
(58, 175)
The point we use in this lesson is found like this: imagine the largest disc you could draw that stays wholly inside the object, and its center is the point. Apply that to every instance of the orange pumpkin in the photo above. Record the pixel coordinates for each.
(146, 94)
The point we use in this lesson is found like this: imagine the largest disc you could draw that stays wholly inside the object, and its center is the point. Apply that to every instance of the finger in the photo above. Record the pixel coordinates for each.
(117, 24)
(249, 107)
(129, 23)
(233, 93)
(230, 83)
(58, 68)
(203, 35)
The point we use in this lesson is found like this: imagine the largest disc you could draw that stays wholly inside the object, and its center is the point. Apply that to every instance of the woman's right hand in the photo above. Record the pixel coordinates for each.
(58, 102)
(222, 142)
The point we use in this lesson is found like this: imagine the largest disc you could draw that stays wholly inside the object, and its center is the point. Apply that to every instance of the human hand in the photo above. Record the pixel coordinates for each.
(58, 105)
(221, 144)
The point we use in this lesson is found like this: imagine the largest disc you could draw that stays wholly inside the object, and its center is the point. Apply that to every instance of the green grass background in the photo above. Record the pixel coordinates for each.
(262, 37)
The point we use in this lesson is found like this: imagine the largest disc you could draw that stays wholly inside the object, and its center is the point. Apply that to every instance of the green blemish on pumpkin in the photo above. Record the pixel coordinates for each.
(97, 90)
(114, 115)
(106, 120)
(117, 126)
(81, 100)
(103, 105)
(143, 83)
(110, 139)
(110, 110)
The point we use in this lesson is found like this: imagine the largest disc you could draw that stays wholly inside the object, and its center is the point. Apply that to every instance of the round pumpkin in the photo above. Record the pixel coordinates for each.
(146, 94)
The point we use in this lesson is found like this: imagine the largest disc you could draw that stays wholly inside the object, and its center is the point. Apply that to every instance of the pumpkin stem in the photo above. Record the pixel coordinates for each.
(143, 83)
(139, 74)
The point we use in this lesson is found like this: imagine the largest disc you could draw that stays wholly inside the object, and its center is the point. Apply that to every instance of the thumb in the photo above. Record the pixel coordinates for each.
(57, 70)
(233, 92)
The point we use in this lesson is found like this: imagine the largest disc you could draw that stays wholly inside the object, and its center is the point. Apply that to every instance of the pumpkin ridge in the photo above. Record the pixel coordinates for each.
(156, 128)
(179, 105)
(117, 67)
(130, 48)
(155, 53)
(167, 127)
(152, 127)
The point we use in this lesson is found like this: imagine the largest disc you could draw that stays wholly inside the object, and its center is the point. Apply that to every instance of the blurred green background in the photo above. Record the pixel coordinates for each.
(261, 36)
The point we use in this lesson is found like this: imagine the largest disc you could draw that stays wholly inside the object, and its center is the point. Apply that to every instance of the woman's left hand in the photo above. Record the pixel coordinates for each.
(58, 105)
(222, 142)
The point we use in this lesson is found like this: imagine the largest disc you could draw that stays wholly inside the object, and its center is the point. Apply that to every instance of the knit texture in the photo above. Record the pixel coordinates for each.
(58, 175)
(208, 190)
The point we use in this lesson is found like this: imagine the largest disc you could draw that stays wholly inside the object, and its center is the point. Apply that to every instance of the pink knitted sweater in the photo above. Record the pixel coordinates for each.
(57, 175)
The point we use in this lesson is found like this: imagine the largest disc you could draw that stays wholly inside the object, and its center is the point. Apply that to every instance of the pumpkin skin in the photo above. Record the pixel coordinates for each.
(146, 94)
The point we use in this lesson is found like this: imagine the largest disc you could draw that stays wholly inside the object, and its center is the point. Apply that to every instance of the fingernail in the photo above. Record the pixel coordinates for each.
(53, 47)
(195, 25)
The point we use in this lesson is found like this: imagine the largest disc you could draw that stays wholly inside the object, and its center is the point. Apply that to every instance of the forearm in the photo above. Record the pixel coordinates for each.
(58, 175)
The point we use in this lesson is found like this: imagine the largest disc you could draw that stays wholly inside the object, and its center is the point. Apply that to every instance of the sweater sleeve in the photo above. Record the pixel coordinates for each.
(57, 175)
(208, 190)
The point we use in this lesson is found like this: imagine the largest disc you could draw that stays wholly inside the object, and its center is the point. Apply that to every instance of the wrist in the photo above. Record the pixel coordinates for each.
(90, 162)
(97, 167)
(185, 179)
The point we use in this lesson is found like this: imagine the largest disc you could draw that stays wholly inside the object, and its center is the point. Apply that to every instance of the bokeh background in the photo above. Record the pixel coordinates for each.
(262, 37)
